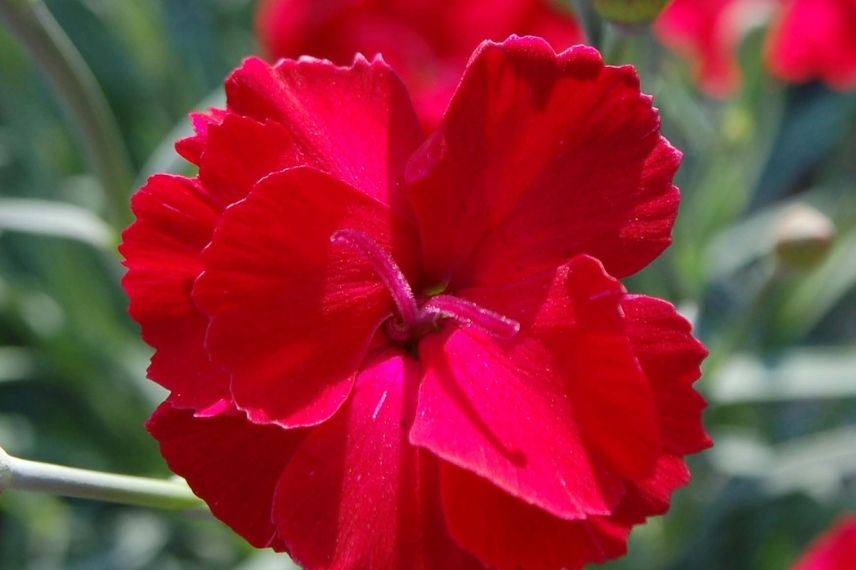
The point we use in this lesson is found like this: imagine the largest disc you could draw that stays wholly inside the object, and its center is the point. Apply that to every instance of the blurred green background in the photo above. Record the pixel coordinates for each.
(781, 379)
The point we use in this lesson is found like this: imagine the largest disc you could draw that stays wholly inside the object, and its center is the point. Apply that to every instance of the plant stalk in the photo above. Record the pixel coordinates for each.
(590, 21)
(30, 22)
(25, 475)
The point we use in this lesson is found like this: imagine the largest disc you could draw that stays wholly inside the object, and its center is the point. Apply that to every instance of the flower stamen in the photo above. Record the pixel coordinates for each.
(390, 274)
(412, 320)
(468, 313)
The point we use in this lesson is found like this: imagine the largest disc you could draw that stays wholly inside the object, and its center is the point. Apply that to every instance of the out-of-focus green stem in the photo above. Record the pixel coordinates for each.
(25, 475)
(35, 28)
(590, 21)
(734, 339)
(615, 44)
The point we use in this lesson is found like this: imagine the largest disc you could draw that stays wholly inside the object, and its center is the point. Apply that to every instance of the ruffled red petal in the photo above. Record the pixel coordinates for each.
(355, 123)
(175, 219)
(507, 534)
(192, 147)
(240, 151)
(291, 314)
(356, 494)
(232, 464)
(541, 157)
(561, 416)
(671, 359)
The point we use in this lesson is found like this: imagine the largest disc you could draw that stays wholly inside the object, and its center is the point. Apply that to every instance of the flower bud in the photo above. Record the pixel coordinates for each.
(629, 11)
(803, 236)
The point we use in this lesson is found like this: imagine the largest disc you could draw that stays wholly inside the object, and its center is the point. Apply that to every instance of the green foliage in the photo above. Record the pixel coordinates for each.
(629, 11)
(781, 378)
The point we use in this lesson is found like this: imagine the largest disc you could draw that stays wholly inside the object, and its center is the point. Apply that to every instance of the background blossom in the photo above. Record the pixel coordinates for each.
(815, 40)
(808, 39)
(708, 34)
(425, 41)
(835, 549)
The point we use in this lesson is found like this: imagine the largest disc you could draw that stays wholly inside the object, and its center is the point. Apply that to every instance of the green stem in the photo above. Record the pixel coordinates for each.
(615, 44)
(590, 21)
(735, 339)
(24, 475)
(81, 97)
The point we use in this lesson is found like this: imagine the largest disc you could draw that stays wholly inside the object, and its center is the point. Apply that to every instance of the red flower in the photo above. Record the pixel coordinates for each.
(810, 39)
(426, 41)
(708, 33)
(389, 352)
(815, 39)
(835, 549)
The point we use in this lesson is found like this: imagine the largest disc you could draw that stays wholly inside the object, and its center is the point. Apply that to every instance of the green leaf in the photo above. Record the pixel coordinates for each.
(47, 218)
(818, 465)
(798, 374)
(16, 363)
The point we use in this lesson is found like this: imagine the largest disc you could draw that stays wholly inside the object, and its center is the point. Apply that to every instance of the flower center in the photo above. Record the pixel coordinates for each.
(415, 318)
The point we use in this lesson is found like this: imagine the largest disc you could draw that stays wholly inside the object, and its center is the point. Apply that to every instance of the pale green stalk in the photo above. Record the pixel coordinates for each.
(23, 475)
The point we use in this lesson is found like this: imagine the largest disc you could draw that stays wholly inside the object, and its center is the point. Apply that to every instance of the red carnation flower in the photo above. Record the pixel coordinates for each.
(835, 549)
(427, 42)
(389, 352)
(708, 33)
(810, 39)
(815, 39)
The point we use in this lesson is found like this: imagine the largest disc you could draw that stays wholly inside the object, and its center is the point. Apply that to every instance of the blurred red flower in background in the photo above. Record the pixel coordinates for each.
(708, 34)
(835, 549)
(427, 42)
(390, 352)
(809, 39)
(815, 39)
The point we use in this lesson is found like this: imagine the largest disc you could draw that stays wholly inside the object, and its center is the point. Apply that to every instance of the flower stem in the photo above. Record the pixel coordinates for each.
(733, 339)
(590, 21)
(24, 475)
(30, 22)
(615, 44)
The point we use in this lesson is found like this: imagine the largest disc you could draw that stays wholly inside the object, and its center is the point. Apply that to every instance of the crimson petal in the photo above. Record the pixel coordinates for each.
(192, 147)
(356, 494)
(291, 313)
(541, 157)
(175, 220)
(240, 151)
(507, 534)
(230, 463)
(561, 416)
(355, 123)
(671, 359)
